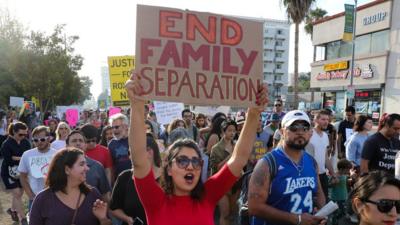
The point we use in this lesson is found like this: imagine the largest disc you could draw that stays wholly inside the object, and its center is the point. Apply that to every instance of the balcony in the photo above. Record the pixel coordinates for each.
(281, 37)
(281, 48)
(270, 46)
(269, 57)
(280, 71)
(280, 59)
(268, 35)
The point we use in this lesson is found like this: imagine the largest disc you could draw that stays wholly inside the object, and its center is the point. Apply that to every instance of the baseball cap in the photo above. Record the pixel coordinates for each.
(239, 120)
(293, 116)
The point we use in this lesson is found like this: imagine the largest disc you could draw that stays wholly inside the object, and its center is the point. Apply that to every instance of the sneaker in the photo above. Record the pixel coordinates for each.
(24, 221)
(13, 214)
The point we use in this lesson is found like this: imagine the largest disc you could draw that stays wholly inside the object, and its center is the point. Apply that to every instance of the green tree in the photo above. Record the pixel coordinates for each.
(40, 65)
(314, 15)
(296, 11)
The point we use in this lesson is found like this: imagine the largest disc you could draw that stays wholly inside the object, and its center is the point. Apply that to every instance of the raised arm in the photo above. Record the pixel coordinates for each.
(137, 131)
(244, 145)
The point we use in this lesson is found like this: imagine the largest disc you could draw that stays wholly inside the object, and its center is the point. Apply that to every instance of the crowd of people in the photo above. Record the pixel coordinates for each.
(234, 169)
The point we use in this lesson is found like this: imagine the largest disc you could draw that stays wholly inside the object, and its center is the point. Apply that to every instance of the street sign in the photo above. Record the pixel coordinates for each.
(120, 68)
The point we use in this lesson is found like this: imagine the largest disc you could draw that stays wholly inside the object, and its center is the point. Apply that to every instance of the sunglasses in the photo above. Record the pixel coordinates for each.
(183, 162)
(116, 127)
(278, 105)
(386, 205)
(295, 128)
(39, 139)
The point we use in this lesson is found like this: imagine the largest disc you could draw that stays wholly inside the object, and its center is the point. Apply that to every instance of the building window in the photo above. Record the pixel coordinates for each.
(279, 32)
(278, 54)
(320, 53)
(278, 66)
(380, 41)
(265, 65)
(332, 50)
(278, 43)
(363, 44)
(345, 49)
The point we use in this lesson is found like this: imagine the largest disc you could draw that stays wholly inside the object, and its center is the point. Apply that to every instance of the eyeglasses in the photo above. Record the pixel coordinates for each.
(39, 139)
(183, 162)
(278, 105)
(91, 140)
(22, 135)
(62, 128)
(386, 205)
(116, 127)
(295, 128)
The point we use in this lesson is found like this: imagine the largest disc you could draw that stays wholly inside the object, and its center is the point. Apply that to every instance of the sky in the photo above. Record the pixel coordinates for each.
(107, 27)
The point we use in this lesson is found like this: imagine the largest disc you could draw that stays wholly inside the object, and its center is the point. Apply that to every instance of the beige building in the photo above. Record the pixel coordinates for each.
(377, 59)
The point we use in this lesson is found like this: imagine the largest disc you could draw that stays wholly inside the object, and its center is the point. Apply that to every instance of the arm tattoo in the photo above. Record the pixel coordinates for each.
(260, 174)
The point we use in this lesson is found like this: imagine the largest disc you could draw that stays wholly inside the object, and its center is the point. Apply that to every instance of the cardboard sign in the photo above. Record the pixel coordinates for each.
(113, 111)
(198, 58)
(16, 101)
(166, 112)
(120, 68)
(72, 117)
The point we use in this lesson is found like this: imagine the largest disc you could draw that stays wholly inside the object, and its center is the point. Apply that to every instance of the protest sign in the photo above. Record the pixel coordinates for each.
(72, 117)
(198, 58)
(113, 110)
(166, 112)
(211, 111)
(120, 68)
(16, 101)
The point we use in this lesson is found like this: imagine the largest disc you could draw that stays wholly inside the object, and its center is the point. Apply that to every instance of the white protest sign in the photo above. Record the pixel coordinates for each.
(166, 112)
(16, 101)
(211, 111)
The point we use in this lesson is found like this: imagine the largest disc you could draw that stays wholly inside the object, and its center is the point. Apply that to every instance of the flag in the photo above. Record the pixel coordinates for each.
(348, 22)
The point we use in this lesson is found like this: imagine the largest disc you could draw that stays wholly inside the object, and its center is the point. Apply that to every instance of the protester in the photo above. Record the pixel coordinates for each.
(106, 136)
(355, 143)
(274, 124)
(118, 146)
(262, 145)
(379, 150)
(95, 151)
(62, 132)
(184, 199)
(52, 126)
(201, 121)
(96, 175)
(285, 182)
(193, 132)
(125, 203)
(318, 147)
(240, 118)
(376, 198)
(67, 198)
(339, 188)
(345, 130)
(215, 135)
(220, 154)
(3, 127)
(12, 149)
(34, 163)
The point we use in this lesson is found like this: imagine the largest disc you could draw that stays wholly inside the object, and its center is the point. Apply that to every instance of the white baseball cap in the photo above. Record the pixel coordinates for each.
(293, 116)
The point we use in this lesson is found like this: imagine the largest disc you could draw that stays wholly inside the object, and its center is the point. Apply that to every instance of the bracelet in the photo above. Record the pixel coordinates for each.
(298, 219)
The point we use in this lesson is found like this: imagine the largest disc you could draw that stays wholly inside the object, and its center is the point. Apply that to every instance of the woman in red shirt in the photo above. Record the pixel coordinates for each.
(184, 198)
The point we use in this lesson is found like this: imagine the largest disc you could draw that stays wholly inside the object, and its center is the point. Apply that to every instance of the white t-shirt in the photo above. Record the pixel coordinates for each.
(319, 145)
(58, 144)
(36, 165)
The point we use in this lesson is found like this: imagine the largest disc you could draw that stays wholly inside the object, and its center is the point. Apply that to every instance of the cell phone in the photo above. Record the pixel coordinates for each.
(138, 221)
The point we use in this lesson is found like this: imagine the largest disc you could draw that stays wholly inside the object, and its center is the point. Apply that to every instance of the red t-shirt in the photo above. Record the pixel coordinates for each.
(100, 154)
(162, 209)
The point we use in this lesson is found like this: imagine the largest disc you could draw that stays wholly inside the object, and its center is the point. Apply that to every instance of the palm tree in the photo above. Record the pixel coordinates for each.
(296, 11)
(314, 15)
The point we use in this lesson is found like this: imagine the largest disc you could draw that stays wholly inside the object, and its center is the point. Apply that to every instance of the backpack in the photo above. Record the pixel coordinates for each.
(243, 198)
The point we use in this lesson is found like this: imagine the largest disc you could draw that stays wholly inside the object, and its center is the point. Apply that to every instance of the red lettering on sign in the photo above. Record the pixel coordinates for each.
(167, 22)
(242, 86)
(247, 61)
(193, 24)
(202, 52)
(145, 52)
(215, 58)
(227, 67)
(216, 85)
(147, 79)
(170, 52)
(201, 81)
(172, 80)
(226, 26)
(158, 79)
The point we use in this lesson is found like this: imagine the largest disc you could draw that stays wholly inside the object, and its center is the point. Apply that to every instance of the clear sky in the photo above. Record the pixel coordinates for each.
(107, 27)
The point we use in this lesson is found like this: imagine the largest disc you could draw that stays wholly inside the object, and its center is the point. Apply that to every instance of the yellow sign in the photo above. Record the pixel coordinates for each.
(344, 65)
(120, 68)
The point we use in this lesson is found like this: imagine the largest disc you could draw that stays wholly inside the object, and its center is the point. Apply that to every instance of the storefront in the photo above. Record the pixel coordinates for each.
(376, 76)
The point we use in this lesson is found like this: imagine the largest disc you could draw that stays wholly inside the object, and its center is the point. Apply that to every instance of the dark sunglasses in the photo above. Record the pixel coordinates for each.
(184, 161)
(295, 128)
(278, 105)
(39, 139)
(386, 205)
(115, 127)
